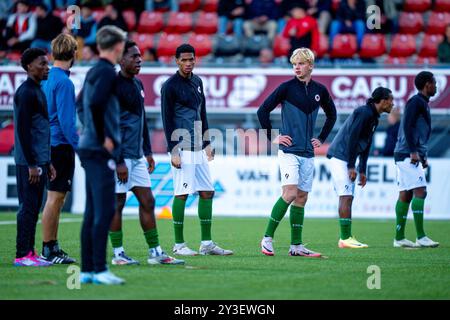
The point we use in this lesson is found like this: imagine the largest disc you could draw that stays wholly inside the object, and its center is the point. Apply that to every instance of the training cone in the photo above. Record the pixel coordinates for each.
(165, 213)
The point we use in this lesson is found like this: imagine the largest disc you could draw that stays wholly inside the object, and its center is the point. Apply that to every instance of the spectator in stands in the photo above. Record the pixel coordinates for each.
(152, 5)
(266, 57)
(88, 54)
(233, 10)
(21, 27)
(150, 55)
(48, 27)
(350, 18)
(6, 8)
(391, 133)
(113, 17)
(88, 27)
(321, 11)
(262, 16)
(389, 16)
(444, 47)
(59, 4)
(302, 30)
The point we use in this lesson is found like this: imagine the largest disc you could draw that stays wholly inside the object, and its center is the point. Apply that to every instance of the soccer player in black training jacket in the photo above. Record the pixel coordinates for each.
(300, 98)
(31, 154)
(99, 145)
(354, 140)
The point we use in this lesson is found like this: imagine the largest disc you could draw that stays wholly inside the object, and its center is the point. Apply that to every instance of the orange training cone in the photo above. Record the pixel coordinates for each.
(165, 213)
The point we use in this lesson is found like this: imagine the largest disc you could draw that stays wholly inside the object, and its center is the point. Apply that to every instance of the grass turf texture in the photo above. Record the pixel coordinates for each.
(405, 274)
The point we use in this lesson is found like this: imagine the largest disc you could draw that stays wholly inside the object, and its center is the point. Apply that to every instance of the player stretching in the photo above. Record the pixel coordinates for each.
(136, 154)
(183, 107)
(354, 140)
(300, 100)
(411, 151)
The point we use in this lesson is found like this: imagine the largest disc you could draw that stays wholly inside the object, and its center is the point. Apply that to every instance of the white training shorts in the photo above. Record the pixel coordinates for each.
(410, 176)
(138, 175)
(339, 174)
(193, 175)
(296, 170)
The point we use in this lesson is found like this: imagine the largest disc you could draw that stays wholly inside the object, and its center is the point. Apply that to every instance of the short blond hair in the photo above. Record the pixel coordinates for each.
(302, 55)
(64, 47)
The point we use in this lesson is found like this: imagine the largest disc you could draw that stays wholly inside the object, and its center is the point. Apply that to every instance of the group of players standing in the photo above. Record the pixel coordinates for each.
(115, 152)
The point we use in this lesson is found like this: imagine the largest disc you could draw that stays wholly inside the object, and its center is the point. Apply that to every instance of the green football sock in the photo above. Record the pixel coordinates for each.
(116, 238)
(417, 205)
(346, 228)
(205, 215)
(296, 219)
(278, 212)
(178, 206)
(401, 211)
(151, 236)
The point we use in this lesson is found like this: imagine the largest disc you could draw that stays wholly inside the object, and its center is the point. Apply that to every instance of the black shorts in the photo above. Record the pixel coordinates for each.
(63, 159)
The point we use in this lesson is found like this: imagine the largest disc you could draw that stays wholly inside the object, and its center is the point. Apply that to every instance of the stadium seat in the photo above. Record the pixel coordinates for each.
(410, 22)
(335, 5)
(442, 5)
(150, 22)
(403, 45)
(281, 46)
(168, 44)
(373, 45)
(396, 60)
(210, 5)
(253, 45)
(426, 60)
(227, 46)
(206, 23)
(430, 44)
(323, 45)
(202, 44)
(344, 46)
(179, 22)
(189, 5)
(143, 41)
(416, 5)
(437, 22)
(167, 59)
(130, 18)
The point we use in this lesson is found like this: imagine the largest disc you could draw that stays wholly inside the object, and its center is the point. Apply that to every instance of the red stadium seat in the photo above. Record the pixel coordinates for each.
(206, 23)
(344, 46)
(426, 60)
(168, 44)
(130, 18)
(150, 22)
(335, 5)
(373, 45)
(14, 56)
(442, 5)
(189, 5)
(179, 22)
(323, 45)
(281, 46)
(210, 5)
(202, 44)
(143, 41)
(417, 5)
(403, 45)
(410, 22)
(437, 22)
(430, 44)
(396, 60)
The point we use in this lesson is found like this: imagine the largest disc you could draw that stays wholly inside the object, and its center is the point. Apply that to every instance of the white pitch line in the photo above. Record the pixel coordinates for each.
(65, 220)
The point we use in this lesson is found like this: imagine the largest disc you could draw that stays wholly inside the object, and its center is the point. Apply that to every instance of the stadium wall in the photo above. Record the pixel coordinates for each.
(249, 186)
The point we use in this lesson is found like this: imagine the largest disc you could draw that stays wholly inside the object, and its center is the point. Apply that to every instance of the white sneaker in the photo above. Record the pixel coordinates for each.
(267, 246)
(107, 277)
(156, 257)
(404, 243)
(214, 249)
(426, 242)
(301, 251)
(183, 250)
(123, 259)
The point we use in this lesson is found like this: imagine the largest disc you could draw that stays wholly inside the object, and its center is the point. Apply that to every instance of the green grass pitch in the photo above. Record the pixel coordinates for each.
(405, 274)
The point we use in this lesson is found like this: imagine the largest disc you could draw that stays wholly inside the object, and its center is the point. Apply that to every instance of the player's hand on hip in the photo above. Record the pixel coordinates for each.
(352, 174)
(122, 173)
(151, 163)
(283, 140)
(316, 143)
(176, 161)
(415, 158)
(210, 152)
(108, 144)
(34, 175)
(51, 172)
(362, 179)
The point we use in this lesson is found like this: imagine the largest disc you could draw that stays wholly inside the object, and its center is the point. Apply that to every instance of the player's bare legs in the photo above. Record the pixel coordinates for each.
(50, 215)
(345, 221)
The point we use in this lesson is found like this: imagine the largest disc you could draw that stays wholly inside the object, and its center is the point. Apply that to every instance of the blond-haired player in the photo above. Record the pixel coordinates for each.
(300, 99)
